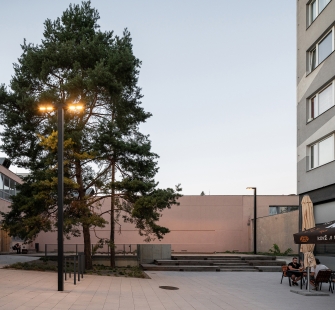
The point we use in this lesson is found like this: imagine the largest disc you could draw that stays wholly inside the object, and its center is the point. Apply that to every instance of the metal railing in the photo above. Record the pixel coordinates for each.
(78, 267)
(69, 249)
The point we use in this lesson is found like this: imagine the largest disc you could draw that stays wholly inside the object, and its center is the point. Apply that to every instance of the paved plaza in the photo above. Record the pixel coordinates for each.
(21, 290)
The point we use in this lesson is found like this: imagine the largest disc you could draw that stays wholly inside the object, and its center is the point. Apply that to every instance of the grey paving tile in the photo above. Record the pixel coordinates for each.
(229, 291)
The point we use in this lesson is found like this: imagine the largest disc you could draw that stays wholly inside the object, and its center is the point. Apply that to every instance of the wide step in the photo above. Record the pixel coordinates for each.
(239, 270)
(199, 262)
(179, 268)
(258, 257)
(202, 257)
(224, 263)
(237, 267)
(266, 263)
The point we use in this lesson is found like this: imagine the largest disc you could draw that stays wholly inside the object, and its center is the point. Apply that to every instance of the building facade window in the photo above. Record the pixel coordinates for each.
(321, 50)
(321, 152)
(273, 210)
(314, 8)
(321, 102)
(7, 187)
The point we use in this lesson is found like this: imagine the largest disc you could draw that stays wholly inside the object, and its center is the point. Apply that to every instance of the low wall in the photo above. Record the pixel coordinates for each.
(120, 261)
(147, 253)
(277, 229)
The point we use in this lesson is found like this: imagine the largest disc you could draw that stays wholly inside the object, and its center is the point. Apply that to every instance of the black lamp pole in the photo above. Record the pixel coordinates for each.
(60, 186)
(60, 195)
(255, 221)
(255, 218)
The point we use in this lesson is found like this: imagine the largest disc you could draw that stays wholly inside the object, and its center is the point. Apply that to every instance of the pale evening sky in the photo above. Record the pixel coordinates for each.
(217, 75)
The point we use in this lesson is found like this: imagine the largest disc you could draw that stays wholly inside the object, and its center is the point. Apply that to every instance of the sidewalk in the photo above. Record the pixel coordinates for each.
(202, 290)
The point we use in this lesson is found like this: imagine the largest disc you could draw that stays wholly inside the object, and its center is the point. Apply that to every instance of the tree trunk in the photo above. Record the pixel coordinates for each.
(87, 247)
(112, 220)
(86, 227)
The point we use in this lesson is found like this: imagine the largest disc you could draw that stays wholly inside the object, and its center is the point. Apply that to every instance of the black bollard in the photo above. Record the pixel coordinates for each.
(79, 267)
(74, 270)
(65, 267)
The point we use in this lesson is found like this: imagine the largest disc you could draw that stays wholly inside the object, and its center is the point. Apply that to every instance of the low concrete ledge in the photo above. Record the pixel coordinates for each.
(120, 261)
(307, 293)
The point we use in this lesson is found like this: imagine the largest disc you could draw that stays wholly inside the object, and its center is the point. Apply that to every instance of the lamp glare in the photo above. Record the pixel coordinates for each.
(75, 107)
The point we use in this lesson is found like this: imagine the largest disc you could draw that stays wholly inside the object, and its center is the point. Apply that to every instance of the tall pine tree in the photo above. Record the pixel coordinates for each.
(77, 62)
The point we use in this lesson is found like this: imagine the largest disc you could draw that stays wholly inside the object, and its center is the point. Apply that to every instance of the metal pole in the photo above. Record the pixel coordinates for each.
(79, 268)
(60, 195)
(255, 221)
(301, 255)
(76, 249)
(74, 270)
(82, 265)
(45, 250)
(65, 267)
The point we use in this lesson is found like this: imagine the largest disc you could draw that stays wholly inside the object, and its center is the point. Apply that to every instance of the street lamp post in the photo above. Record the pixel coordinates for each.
(255, 218)
(60, 190)
(60, 185)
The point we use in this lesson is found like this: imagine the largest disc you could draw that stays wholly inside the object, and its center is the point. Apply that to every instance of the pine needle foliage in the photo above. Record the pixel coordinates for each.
(78, 63)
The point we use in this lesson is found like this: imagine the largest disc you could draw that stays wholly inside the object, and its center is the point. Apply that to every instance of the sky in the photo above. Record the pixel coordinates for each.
(217, 75)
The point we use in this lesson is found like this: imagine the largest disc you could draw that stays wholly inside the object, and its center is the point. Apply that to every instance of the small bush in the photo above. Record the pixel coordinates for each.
(275, 250)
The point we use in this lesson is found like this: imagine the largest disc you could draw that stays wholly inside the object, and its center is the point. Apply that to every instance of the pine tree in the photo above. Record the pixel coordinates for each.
(104, 150)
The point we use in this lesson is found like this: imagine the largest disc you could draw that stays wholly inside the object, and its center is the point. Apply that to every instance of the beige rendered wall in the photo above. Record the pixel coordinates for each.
(5, 240)
(200, 224)
(277, 229)
(5, 203)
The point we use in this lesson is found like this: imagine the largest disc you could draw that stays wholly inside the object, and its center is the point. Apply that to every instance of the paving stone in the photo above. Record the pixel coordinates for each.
(197, 290)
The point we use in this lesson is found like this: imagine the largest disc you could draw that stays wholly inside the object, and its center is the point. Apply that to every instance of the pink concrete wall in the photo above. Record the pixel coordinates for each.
(199, 224)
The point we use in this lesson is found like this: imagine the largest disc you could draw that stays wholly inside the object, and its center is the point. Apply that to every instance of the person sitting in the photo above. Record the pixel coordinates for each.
(315, 270)
(17, 247)
(294, 266)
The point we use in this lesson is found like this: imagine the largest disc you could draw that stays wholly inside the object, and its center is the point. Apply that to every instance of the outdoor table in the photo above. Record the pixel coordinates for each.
(298, 273)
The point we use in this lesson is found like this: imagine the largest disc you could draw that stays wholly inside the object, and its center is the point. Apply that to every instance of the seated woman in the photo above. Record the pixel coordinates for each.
(315, 271)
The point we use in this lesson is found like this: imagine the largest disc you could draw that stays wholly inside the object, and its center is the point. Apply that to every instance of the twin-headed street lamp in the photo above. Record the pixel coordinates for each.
(255, 217)
(60, 187)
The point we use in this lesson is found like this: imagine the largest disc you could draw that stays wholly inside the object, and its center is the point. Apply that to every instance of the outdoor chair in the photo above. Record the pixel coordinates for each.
(284, 270)
(324, 276)
(332, 279)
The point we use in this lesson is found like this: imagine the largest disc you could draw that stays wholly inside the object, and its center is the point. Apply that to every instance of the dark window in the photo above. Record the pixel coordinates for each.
(282, 209)
(312, 107)
(312, 156)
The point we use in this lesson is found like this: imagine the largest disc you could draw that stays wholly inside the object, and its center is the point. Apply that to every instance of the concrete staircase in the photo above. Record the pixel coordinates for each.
(224, 263)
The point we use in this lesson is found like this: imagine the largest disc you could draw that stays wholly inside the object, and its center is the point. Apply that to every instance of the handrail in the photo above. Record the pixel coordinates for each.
(121, 249)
